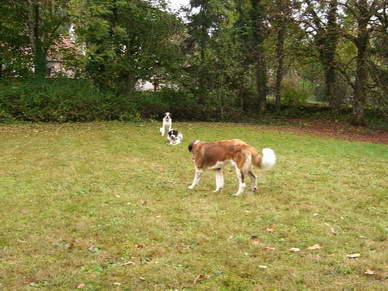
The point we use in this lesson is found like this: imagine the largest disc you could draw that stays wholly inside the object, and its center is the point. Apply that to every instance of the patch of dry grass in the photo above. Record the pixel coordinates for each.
(106, 205)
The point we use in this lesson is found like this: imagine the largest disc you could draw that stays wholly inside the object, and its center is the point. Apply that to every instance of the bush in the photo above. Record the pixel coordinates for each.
(51, 100)
(64, 100)
(294, 94)
(5, 116)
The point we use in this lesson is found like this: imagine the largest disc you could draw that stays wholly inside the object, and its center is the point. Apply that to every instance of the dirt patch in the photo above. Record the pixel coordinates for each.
(336, 130)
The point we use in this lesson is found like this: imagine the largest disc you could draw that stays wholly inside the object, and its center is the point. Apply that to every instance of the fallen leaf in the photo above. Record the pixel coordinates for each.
(331, 229)
(263, 267)
(295, 249)
(353, 256)
(315, 247)
(256, 242)
(93, 249)
(253, 236)
(199, 278)
(139, 246)
(183, 247)
(80, 286)
(269, 248)
(129, 263)
(142, 278)
(271, 228)
(369, 272)
(143, 202)
(117, 283)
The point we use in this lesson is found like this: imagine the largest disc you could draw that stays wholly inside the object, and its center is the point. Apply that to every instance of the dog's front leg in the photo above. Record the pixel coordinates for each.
(219, 180)
(197, 177)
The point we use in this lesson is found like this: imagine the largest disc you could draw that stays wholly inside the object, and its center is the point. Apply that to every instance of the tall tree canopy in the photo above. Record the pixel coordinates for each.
(230, 55)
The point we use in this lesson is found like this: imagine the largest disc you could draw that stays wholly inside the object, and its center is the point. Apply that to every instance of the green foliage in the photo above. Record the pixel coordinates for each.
(5, 116)
(127, 41)
(57, 100)
(15, 59)
(27, 31)
(62, 100)
(293, 93)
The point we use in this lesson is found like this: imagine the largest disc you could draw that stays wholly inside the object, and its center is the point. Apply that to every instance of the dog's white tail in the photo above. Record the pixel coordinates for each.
(268, 160)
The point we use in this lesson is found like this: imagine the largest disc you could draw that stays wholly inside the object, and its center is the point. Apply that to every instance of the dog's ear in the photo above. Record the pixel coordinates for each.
(190, 147)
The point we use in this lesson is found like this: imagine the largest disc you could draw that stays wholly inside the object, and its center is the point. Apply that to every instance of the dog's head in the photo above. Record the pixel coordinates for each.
(167, 116)
(191, 145)
(173, 134)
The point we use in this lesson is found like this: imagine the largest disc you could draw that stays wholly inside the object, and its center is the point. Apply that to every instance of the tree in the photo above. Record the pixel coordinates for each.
(44, 21)
(365, 13)
(126, 41)
(31, 28)
(205, 18)
(281, 16)
(258, 14)
(15, 57)
(319, 19)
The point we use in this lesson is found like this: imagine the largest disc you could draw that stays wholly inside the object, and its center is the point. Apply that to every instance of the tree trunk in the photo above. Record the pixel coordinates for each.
(201, 80)
(261, 66)
(359, 88)
(261, 78)
(329, 56)
(39, 52)
(361, 71)
(280, 59)
(330, 76)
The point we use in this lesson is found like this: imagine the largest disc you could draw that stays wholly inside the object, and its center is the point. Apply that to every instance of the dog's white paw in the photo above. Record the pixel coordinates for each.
(190, 187)
(217, 190)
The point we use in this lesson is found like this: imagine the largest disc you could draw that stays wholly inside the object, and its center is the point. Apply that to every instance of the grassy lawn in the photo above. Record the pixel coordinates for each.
(105, 206)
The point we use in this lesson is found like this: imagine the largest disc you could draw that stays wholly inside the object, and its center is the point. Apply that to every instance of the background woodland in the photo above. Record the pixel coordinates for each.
(83, 60)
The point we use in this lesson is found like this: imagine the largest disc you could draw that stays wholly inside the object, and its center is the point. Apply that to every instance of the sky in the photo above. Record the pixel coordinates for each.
(176, 4)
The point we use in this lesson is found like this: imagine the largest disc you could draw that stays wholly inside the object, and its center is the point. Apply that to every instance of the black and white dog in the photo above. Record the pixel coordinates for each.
(167, 124)
(174, 137)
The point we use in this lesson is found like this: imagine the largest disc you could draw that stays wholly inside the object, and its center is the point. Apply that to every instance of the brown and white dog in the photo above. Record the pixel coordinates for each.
(214, 155)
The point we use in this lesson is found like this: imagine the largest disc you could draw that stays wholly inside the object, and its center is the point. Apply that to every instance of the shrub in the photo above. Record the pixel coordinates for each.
(293, 93)
(64, 100)
(58, 100)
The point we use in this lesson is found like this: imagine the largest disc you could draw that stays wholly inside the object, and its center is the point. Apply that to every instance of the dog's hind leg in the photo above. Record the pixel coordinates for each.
(243, 164)
(197, 177)
(254, 180)
(240, 177)
(219, 180)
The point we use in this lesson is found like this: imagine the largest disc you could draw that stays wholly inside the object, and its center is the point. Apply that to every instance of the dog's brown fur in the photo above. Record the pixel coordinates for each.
(207, 154)
(213, 155)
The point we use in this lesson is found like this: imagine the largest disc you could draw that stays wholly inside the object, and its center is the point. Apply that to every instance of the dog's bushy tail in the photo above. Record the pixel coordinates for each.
(266, 161)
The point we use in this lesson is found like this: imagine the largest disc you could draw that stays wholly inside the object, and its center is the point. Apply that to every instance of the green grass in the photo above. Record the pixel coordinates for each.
(78, 201)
